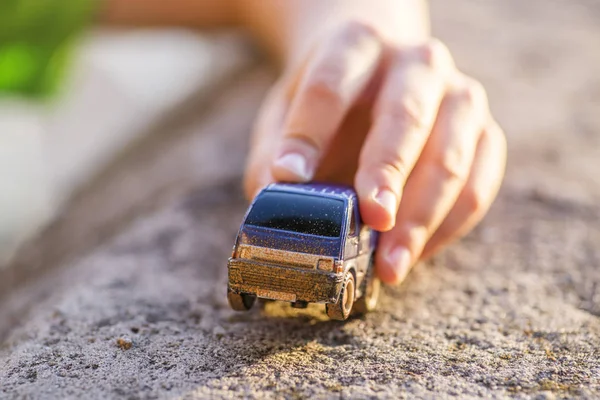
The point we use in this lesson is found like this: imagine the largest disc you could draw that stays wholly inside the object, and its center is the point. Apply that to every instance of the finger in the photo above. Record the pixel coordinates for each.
(403, 118)
(268, 129)
(479, 192)
(436, 181)
(264, 136)
(334, 78)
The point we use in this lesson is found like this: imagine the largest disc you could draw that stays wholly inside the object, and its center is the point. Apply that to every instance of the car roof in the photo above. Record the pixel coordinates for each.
(322, 189)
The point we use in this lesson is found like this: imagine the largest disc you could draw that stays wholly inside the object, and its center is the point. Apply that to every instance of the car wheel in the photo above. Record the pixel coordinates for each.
(240, 301)
(343, 307)
(368, 301)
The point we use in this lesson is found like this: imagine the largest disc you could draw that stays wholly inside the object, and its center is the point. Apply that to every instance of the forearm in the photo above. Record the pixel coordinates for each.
(289, 27)
(190, 13)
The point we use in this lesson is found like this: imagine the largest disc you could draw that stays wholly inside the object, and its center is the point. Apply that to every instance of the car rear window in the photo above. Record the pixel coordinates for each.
(301, 213)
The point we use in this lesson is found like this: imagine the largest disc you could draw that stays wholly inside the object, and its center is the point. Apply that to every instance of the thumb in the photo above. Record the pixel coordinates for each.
(267, 129)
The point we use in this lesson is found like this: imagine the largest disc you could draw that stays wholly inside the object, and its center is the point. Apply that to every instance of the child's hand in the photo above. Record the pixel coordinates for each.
(412, 133)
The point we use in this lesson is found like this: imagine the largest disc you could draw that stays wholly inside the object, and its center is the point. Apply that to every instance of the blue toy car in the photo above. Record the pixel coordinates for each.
(305, 243)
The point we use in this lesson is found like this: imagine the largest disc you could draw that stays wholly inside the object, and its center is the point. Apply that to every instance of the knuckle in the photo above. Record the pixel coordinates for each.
(392, 167)
(402, 55)
(354, 28)
(436, 54)
(324, 87)
(396, 166)
(471, 92)
(405, 112)
(298, 139)
(411, 233)
(452, 164)
(473, 201)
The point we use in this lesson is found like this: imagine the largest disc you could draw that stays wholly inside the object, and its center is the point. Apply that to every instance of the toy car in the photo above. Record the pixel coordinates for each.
(305, 243)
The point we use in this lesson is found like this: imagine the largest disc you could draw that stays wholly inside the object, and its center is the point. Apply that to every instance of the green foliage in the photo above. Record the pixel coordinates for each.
(35, 41)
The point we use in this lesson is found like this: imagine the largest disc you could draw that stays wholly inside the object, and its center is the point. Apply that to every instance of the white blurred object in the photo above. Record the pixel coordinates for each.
(121, 84)
(24, 196)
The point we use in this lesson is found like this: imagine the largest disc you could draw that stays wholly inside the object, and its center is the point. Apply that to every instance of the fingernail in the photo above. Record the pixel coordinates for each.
(386, 199)
(399, 259)
(296, 164)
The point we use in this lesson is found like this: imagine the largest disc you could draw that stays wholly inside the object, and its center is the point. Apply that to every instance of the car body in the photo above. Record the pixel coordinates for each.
(304, 243)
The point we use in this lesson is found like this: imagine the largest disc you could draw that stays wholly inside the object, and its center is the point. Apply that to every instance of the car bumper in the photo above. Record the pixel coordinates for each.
(283, 283)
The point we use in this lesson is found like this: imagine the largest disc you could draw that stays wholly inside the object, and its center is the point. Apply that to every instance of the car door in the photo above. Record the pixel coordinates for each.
(364, 245)
(351, 240)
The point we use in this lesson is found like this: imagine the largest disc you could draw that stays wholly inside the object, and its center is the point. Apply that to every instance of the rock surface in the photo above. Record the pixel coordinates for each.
(513, 310)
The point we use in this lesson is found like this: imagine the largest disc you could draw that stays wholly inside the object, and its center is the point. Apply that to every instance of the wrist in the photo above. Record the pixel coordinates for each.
(399, 22)
(289, 28)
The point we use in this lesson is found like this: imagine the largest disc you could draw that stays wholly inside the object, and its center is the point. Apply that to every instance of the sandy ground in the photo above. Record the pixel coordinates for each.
(513, 310)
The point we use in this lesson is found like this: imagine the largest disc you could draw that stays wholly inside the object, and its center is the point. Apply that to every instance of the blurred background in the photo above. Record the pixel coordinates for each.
(119, 201)
(121, 84)
(133, 119)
